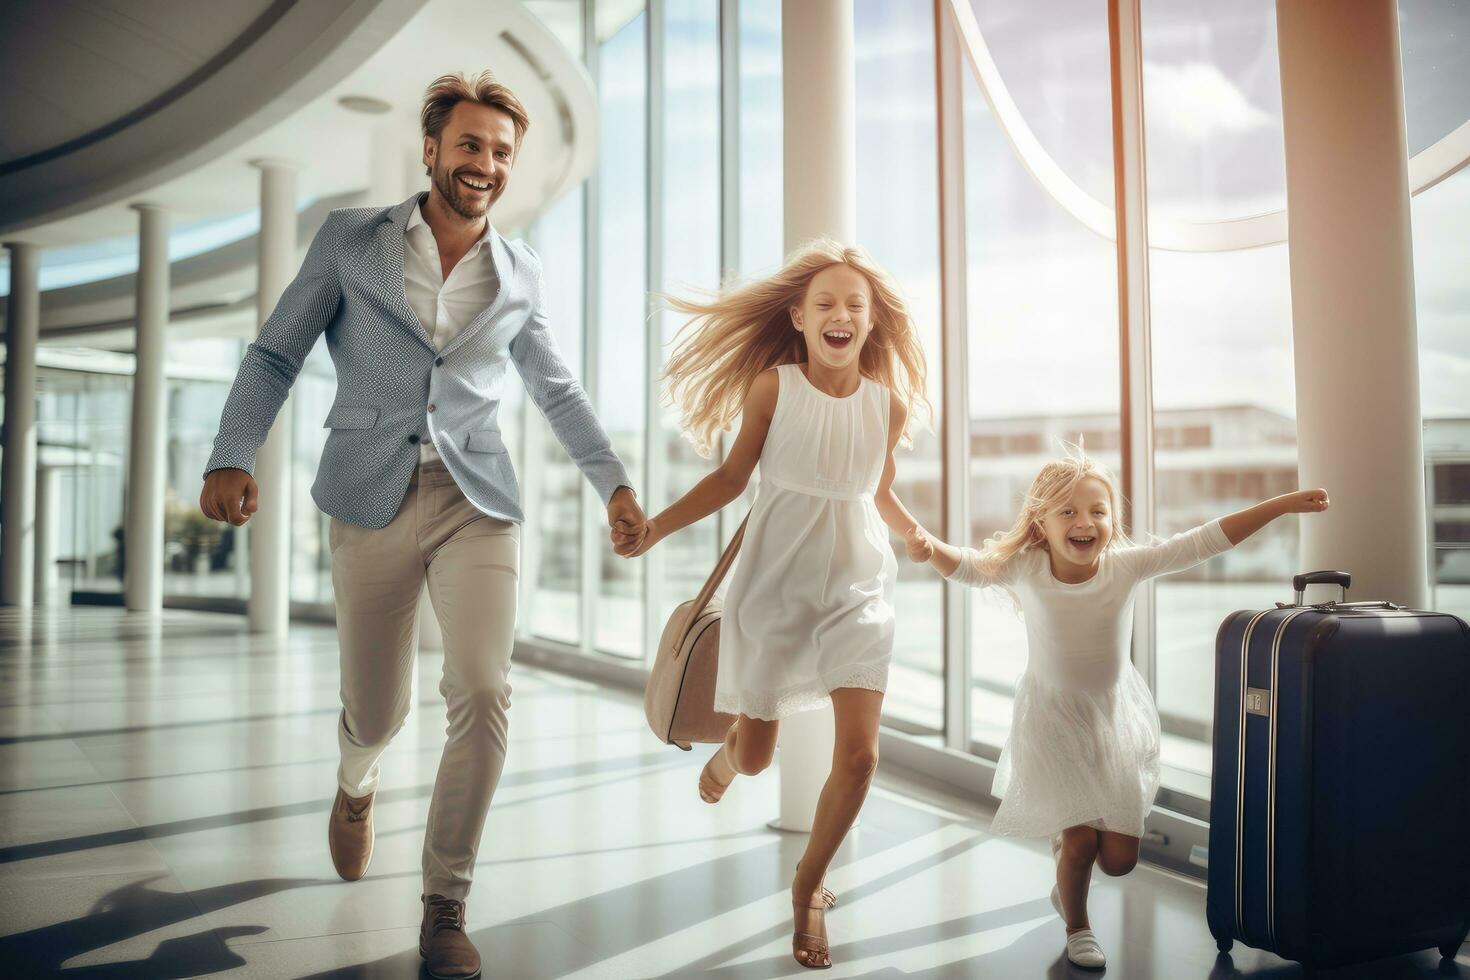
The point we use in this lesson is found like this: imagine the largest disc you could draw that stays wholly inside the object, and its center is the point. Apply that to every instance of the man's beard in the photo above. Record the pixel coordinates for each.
(454, 195)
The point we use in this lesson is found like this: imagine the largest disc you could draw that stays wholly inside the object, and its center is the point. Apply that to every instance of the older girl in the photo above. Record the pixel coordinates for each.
(822, 364)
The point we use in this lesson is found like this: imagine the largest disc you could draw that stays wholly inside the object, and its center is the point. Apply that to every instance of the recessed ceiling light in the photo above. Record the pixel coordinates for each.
(364, 103)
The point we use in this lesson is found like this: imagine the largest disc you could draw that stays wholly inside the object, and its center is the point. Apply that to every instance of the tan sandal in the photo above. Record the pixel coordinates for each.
(815, 947)
(711, 790)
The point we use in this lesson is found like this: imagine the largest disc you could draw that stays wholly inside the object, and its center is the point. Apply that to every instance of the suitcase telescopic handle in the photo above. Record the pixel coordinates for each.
(1300, 583)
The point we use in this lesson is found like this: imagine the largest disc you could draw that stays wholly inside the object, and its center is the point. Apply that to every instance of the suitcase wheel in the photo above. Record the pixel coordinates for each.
(1224, 945)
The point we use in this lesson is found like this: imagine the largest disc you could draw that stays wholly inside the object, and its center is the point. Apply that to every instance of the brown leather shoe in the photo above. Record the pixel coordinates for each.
(447, 952)
(350, 835)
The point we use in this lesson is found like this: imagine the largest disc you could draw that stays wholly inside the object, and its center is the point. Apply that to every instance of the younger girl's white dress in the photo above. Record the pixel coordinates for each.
(810, 603)
(1084, 743)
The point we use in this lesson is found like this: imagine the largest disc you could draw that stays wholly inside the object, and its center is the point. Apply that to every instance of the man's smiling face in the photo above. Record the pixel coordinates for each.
(472, 157)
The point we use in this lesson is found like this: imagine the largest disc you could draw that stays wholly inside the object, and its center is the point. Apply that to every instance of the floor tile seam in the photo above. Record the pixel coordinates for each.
(52, 702)
(93, 873)
(133, 700)
(570, 784)
(176, 668)
(80, 754)
(136, 824)
(62, 650)
(321, 710)
(393, 753)
(240, 941)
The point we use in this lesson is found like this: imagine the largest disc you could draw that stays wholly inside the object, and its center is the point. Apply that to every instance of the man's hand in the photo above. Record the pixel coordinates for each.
(625, 520)
(638, 546)
(630, 544)
(229, 495)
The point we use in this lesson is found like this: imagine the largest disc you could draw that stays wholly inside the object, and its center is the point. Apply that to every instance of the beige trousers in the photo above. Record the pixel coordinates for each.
(470, 561)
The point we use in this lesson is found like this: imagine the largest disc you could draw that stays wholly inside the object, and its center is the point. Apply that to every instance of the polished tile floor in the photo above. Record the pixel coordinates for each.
(164, 785)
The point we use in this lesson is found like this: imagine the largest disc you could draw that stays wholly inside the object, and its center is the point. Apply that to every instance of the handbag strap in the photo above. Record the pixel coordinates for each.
(727, 558)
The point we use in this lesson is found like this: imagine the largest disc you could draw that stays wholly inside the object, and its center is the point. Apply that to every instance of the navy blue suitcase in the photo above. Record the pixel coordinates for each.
(1340, 798)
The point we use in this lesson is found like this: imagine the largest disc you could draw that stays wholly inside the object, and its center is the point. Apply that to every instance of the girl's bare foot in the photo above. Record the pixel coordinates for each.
(717, 774)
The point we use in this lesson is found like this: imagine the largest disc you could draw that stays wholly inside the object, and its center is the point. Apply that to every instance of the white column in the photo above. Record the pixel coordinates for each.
(1352, 294)
(954, 368)
(143, 535)
(820, 199)
(1130, 190)
(270, 528)
(818, 95)
(387, 173)
(18, 478)
(48, 527)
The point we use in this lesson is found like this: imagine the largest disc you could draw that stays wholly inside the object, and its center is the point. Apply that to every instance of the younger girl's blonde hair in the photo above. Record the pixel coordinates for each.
(1053, 485)
(747, 328)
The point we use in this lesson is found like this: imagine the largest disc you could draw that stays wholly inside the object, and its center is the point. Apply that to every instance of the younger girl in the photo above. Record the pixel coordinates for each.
(1081, 764)
(822, 363)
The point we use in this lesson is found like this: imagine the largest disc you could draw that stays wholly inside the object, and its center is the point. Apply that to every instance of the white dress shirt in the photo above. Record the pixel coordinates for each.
(444, 306)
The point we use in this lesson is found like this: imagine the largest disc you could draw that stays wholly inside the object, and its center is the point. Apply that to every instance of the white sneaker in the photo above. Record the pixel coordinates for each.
(1083, 950)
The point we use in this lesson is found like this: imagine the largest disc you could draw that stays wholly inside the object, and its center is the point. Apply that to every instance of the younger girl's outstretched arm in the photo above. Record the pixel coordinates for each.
(1242, 524)
(1189, 548)
(728, 480)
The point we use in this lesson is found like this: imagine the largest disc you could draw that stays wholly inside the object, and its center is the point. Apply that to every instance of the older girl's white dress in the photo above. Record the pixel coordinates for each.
(810, 603)
(1083, 748)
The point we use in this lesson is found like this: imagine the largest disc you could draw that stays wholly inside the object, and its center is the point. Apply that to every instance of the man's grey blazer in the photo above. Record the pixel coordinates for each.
(394, 388)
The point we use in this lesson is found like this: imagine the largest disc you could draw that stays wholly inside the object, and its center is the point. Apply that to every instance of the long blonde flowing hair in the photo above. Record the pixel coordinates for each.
(1052, 486)
(741, 331)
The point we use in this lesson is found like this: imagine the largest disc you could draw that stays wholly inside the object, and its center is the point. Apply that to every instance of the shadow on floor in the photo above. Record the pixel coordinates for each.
(133, 910)
(588, 931)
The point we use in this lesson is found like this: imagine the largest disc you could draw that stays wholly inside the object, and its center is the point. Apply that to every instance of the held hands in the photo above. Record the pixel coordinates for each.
(1304, 502)
(628, 529)
(636, 545)
(229, 495)
(920, 546)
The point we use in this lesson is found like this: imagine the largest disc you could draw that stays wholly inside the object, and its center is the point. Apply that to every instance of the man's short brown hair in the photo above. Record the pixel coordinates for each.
(448, 91)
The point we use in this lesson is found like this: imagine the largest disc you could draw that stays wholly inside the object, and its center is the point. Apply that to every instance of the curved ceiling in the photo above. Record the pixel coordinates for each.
(120, 97)
(384, 50)
(126, 57)
(397, 49)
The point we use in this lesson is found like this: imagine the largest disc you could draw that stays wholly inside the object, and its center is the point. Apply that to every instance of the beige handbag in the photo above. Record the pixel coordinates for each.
(680, 697)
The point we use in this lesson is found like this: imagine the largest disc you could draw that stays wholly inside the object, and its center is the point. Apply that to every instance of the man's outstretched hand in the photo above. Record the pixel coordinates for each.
(229, 495)
(625, 521)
